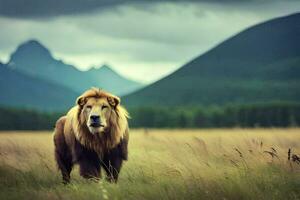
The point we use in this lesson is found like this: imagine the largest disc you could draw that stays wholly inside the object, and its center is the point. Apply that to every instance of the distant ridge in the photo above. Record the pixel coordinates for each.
(260, 64)
(35, 59)
(24, 91)
(113, 80)
(31, 48)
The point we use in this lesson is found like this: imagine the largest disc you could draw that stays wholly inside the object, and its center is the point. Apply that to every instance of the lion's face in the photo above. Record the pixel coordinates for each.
(96, 113)
(96, 110)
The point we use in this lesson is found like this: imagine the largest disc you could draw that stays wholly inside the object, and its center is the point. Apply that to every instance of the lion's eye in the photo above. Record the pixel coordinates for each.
(104, 106)
(89, 107)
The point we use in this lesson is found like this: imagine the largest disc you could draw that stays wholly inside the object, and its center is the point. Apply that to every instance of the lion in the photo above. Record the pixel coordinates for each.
(93, 134)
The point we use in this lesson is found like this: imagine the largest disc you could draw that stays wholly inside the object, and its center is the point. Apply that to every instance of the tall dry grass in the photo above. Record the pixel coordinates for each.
(163, 164)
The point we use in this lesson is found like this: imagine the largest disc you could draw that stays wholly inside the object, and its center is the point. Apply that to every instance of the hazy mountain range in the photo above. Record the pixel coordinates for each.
(260, 64)
(34, 59)
(33, 78)
(20, 90)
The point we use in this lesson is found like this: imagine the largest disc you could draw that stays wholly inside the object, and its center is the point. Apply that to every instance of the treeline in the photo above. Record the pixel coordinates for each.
(26, 119)
(255, 115)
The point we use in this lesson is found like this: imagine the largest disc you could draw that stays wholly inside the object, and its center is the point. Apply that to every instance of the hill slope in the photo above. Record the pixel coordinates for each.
(110, 80)
(19, 90)
(36, 60)
(262, 63)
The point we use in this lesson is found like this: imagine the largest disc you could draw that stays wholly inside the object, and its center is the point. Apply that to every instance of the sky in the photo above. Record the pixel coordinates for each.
(142, 40)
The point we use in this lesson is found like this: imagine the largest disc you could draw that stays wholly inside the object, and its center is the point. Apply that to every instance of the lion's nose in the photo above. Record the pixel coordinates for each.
(95, 118)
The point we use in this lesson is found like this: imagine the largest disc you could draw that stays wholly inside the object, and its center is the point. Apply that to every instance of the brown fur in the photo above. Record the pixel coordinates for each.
(74, 142)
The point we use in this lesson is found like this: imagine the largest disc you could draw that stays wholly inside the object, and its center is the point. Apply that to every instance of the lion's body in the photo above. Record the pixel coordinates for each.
(74, 143)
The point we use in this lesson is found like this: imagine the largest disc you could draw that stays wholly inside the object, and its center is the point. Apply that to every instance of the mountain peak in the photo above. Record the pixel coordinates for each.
(106, 67)
(31, 48)
(103, 68)
(33, 45)
(33, 42)
(259, 64)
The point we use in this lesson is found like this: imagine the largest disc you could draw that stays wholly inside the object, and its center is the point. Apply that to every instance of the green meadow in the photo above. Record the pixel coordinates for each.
(163, 164)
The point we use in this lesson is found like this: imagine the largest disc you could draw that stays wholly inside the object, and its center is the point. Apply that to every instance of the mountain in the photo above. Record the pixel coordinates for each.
(114, 82)
(20, 90)
(36, 60)
(261, 63)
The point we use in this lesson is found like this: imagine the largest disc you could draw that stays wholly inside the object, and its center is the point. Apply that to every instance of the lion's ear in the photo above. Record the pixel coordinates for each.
(81, 101)
(114, 101)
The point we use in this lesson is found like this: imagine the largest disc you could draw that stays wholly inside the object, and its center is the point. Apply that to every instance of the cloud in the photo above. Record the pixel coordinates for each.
(142, 42)
(52, 8)
(48, 8)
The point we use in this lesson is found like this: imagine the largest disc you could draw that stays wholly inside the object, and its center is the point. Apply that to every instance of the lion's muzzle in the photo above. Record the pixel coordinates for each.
(96, 121)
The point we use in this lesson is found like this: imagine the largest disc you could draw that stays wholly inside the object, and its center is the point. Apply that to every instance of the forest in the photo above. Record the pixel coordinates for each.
(276, 114)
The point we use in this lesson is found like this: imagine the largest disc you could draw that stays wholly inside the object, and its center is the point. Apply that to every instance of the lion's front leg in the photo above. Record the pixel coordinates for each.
(89, 162)
(112, 163)
(112, 168)
(89, 169)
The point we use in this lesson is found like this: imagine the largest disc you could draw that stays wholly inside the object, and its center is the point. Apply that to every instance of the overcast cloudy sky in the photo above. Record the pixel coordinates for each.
(143, 40)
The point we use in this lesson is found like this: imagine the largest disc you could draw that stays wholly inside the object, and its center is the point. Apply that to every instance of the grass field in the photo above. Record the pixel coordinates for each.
(163, 164)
